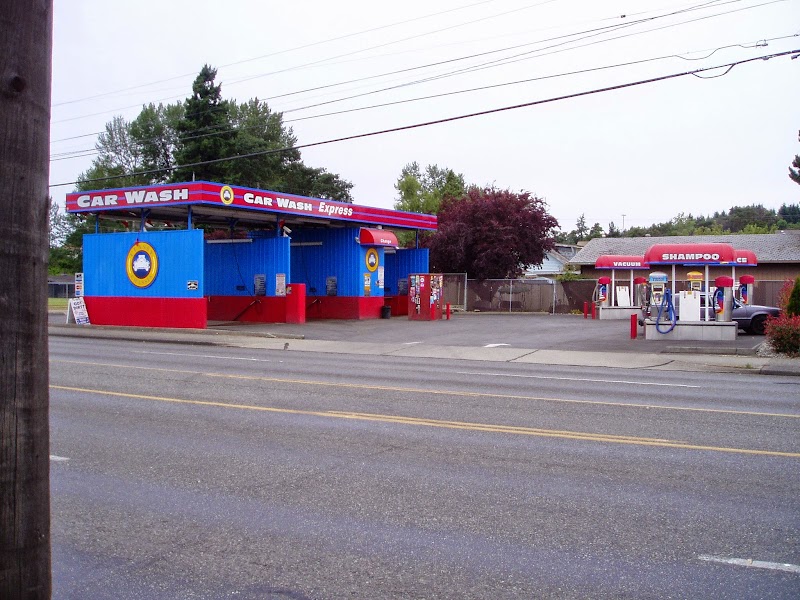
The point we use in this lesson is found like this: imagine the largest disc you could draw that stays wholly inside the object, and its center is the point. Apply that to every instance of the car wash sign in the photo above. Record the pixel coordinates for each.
(690, 254)
(128, 198)
(617, 261)
(202, 194)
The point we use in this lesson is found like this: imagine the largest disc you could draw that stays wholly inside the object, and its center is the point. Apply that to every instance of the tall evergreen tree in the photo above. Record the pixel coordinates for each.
(205, 131)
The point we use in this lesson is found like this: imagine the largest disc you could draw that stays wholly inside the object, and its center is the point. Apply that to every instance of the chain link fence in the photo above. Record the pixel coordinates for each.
(547, 295)
(515, 295)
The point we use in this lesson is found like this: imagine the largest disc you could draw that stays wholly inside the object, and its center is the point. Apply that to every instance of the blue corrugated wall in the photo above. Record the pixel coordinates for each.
(340, 256)
(230, 268)
(402, 263)
(180, 260)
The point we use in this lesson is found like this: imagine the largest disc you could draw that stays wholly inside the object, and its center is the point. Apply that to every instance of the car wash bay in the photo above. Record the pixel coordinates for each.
(271, 257)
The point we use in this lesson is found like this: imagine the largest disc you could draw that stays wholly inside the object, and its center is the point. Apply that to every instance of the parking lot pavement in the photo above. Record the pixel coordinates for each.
(516, 330)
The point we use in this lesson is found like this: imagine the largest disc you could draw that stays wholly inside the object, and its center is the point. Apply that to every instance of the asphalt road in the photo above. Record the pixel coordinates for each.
(199, 472)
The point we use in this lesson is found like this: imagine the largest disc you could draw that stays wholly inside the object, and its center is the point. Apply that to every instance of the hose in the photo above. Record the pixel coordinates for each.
(666, 301)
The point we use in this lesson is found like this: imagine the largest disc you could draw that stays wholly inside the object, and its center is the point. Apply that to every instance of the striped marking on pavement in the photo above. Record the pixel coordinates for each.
(682, 385)
(444, 424)
(749, 562)
(432, 392)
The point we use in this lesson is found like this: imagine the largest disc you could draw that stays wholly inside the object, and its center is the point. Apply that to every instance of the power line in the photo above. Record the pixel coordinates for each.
(630, 24)
(491, 64)
(519, 81)
(437, 121)
(82, 153)
(479, 54)
(301, 47)
(507, 60)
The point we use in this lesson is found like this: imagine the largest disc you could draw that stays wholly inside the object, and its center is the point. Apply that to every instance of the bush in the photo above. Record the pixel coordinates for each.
(783, 334)
(793, 303)
(784, 293)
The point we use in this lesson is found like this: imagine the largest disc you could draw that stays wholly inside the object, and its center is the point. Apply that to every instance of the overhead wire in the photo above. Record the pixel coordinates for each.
(276, 53)
(527, 55)
(516, 82)
(492, 64)
(486, 53)
(89, 152)
(651, 80)
(708, 3)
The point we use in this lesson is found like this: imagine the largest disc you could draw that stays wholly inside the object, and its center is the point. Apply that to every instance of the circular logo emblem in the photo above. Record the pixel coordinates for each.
(372, 260)
(226, 195)
(142, 264)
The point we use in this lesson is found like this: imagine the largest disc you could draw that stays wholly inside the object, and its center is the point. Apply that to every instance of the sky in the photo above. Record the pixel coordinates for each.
(637, 155)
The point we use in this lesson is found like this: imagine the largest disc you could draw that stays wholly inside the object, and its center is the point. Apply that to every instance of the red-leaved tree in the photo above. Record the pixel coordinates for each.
(491, 234)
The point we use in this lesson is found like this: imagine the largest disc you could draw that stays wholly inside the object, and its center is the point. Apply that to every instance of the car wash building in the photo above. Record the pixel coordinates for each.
(199, 251)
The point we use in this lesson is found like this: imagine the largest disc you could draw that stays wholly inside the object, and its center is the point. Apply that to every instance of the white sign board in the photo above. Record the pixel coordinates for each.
(76, 312)
(280, 284)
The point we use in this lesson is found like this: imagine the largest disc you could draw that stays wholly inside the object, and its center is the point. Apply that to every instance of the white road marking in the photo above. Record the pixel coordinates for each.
(55, 458)
(205, 356)
(495, 345)
(410, 343)
(748, 562)
(578, 379)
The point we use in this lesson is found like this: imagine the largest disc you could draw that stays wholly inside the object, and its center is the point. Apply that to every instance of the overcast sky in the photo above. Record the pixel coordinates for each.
(636, 155)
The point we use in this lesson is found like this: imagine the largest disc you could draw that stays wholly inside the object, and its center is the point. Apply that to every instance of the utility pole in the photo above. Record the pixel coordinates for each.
(25, 63)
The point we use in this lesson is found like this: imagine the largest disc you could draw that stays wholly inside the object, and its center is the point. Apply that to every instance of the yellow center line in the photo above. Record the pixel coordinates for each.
(443, 424)
(431, 392)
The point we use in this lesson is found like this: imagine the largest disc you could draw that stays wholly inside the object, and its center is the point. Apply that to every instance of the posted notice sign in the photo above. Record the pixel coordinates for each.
(76, 312)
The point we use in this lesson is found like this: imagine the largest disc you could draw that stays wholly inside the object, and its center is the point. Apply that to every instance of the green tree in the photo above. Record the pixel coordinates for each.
(59, 226)
(790, 213)
(203, 128)
(155, 133)
(740, 217)
(595, 232)
(580, 233)
(118, 155)
(581, 230)
(423, 192)
(63, 258)
(258, 129)
(315, 182)
(205, 131)
(794, 173)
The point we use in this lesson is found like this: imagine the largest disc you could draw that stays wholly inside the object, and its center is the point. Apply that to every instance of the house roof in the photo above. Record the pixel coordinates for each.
(781, 247)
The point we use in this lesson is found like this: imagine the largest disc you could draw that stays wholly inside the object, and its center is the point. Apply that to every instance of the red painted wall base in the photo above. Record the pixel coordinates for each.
(247, 309)
(344, 307)
(196, 312)
(147, 312)
(399, 305)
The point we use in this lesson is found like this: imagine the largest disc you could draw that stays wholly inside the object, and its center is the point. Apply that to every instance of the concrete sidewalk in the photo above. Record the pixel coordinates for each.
(533, 339)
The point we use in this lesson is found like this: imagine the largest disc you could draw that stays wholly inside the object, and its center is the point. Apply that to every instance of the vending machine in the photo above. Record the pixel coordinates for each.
(424, 297)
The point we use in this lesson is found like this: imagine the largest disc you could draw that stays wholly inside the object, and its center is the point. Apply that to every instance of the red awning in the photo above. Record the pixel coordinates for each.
(618, 261)
(377, 237)
(690, 254)
(746, 258)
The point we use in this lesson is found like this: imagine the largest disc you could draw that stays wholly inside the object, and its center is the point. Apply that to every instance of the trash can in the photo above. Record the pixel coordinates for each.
(386, 311)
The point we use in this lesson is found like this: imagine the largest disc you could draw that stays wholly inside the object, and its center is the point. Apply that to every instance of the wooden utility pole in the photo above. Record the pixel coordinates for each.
(25, 55)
